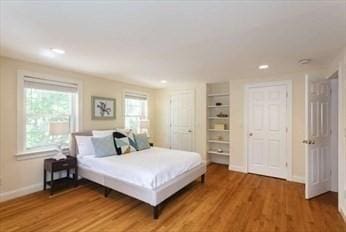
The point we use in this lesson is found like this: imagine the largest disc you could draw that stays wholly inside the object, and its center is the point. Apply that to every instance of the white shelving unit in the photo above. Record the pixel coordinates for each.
(218, 139)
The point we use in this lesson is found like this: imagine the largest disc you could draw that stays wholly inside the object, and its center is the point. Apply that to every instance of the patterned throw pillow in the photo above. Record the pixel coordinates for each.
(123, 133)
(142, 141)
(103, 146)
(123, 145)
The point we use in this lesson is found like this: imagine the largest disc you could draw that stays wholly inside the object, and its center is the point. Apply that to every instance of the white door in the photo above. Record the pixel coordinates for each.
(318, 138)
(267, 130)
(182, 110)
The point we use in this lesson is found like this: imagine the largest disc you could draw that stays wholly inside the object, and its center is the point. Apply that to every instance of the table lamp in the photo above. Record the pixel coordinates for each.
(58, 129)
(144, 126)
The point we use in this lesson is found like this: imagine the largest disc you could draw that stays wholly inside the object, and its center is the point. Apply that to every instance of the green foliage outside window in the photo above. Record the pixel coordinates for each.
(43, 107)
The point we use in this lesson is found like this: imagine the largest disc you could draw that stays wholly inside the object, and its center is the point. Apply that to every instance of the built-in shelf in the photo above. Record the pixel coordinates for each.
(216, 130)
(218, 141)
(218, 118)
(218, 95)
(222, 106)
(218, 103)
(218, 153)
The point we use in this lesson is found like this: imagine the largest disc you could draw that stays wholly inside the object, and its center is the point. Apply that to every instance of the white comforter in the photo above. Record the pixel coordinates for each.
(148, 168)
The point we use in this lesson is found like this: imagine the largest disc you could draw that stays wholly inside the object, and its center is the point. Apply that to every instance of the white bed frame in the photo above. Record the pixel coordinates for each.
(151, 196)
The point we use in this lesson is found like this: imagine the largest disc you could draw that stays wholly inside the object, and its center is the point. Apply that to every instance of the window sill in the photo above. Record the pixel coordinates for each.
(38, 153)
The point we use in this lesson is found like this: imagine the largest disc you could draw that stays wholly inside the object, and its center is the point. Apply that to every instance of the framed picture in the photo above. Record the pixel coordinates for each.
(103, 108)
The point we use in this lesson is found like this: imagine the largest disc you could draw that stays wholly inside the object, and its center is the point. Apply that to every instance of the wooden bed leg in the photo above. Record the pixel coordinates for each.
(156, 212)
(107, 191)
(203, 178)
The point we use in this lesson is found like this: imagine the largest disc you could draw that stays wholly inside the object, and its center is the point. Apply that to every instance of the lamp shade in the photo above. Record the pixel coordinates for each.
(144, 126)
(59, 128)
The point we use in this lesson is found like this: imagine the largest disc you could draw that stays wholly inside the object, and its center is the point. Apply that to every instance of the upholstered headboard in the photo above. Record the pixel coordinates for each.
(73, 143)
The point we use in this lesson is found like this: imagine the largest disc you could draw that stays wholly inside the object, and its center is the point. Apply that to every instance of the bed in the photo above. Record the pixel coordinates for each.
(150, 175)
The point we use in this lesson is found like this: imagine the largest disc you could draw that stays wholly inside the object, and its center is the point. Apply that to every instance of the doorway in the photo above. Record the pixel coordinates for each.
(268, 126)
(182, 105)
(321, 143)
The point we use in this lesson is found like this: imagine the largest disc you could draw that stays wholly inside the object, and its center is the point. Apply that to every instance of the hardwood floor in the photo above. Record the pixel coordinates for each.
(228, 201)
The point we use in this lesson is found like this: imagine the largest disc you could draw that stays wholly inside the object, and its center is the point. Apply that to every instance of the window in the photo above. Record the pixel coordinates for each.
(50, 113)
(136, 112)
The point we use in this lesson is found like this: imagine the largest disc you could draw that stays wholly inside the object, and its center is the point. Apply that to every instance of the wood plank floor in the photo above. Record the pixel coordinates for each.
(228, 201)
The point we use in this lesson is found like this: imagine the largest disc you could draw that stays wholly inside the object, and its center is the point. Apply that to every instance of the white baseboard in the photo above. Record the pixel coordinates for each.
(236, 168)
(5, 196)
(298, 179)
(343, 213)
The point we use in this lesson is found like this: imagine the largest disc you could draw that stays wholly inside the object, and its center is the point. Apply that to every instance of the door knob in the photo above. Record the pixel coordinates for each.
(189, 131)
(250, 134)
(309, 141)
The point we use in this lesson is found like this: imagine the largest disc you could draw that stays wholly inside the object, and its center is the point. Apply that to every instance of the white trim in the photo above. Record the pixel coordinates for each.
(288, 84)
(236, 168)
(342, 138)
(21, 75)
(298, 179)
(343, 213)
(5, 196)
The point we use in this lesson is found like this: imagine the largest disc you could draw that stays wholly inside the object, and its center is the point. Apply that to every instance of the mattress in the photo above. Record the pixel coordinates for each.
(148, 168)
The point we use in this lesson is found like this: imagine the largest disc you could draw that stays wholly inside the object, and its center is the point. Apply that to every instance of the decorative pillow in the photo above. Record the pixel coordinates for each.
(103, 146)
(102, 133)
(122, 133)
(85, 146)
(142, 141)
(123, 145)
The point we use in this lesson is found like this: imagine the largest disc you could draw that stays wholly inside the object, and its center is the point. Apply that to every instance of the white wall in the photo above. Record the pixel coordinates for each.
(236, 116)
(23, 176)
(339, 64)
(162, 116)
(237, 89)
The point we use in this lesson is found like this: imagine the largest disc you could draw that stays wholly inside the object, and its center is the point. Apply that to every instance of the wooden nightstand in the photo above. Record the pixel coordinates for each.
(53, 165)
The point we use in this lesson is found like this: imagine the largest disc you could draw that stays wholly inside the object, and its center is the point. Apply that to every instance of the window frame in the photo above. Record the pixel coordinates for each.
(135, 93)
(22, 153)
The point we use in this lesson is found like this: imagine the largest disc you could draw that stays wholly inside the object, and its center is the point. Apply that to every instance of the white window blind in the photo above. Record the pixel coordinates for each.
(47, 102)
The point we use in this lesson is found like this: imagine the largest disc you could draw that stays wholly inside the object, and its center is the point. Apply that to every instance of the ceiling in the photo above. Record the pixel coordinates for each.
(144, 42)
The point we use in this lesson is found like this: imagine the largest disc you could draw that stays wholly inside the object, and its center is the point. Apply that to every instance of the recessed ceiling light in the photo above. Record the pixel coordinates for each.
(264, 66)
(163, 81)
(57, 50)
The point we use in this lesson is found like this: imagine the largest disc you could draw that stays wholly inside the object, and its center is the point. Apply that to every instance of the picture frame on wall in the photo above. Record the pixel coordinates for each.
(103, 108)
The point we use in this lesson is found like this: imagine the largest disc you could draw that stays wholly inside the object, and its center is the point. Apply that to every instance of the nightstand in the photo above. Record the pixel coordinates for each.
(53, 165)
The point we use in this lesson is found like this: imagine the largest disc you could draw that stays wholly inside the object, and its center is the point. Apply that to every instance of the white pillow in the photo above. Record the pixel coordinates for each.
(102, 133)
(85, 146)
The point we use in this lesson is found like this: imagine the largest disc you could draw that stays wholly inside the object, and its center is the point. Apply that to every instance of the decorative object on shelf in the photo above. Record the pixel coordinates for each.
(219, 137)
(103, 108)
(218, 104)
(222, 115)
(219, 150)
(59, 129)
(219, 126)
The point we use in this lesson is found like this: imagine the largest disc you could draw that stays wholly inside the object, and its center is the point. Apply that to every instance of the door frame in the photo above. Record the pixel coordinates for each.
(193, 116)
(288, 84)
(341, 69)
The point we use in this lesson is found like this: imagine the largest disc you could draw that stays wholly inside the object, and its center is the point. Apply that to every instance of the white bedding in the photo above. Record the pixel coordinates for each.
(148, 168)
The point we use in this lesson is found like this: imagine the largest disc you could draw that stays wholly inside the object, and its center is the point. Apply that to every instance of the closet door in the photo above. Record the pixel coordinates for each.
(181, 126)
(267, 109)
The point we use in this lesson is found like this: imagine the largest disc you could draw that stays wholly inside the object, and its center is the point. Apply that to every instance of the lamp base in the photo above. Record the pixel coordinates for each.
(59, 156)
